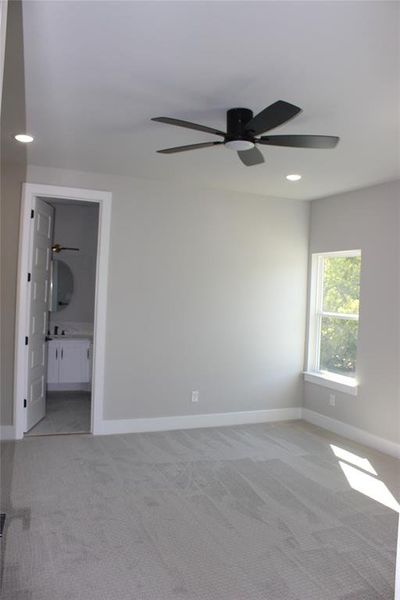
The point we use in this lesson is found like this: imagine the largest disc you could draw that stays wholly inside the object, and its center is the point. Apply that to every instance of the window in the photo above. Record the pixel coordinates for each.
(334, 306)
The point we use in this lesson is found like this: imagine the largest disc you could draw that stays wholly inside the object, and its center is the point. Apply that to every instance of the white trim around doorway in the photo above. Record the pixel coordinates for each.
(103, 199)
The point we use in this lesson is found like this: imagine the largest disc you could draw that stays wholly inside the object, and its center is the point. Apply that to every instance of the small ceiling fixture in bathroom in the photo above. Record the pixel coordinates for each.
(293, 177)
(25, 138)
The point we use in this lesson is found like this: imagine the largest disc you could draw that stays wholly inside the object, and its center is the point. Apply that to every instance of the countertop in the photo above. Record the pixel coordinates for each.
(71, 336)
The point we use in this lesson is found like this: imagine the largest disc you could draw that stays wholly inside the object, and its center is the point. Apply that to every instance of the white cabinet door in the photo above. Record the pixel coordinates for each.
(52, 361)
(74, 361)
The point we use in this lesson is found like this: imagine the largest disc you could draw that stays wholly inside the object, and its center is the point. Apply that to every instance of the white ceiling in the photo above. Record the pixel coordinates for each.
(96, 72)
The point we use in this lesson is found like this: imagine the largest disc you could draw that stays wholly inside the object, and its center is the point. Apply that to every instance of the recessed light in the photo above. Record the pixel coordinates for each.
(293, 177)
(24, 138)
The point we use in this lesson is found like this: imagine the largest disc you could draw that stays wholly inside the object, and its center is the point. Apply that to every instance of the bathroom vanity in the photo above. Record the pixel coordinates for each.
(69, 363)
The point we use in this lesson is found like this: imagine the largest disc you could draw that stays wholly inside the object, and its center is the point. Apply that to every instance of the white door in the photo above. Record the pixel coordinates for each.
(41, 241)
(74, 361)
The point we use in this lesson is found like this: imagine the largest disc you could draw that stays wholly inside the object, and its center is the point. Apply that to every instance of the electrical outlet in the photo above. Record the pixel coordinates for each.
(195, 396)
(332, 399)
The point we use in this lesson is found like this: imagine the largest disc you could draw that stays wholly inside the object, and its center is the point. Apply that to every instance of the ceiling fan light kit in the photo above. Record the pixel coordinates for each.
(239, 145)
(242, 128)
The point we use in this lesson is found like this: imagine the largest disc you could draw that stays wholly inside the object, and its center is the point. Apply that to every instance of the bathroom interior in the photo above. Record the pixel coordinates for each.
(70, 319)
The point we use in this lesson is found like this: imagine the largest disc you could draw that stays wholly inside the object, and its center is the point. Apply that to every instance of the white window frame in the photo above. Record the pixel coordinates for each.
(313, 374)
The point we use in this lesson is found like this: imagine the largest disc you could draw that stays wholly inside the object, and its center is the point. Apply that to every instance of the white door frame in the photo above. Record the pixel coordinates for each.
(3, 29)
(29, 192)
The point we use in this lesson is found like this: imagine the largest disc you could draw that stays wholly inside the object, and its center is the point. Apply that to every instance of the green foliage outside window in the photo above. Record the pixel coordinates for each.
(341, 294)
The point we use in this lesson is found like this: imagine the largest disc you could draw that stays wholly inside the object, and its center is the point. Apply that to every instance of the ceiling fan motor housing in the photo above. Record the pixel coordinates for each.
(236, 120)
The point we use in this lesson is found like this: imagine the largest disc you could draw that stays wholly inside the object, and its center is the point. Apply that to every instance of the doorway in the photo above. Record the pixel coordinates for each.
(61, 309)
(69, 305)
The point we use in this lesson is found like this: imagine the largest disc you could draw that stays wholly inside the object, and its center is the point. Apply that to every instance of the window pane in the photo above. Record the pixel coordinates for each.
(338, 345)
(341, 290)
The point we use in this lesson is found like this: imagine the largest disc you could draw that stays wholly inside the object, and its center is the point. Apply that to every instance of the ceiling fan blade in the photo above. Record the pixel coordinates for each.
(272, 116)
(190, 147)
(188, 125)
(300, 141)
(251, 157)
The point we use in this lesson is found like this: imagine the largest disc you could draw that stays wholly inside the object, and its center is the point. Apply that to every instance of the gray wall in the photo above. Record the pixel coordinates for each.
(13, 174)
(76, 226)
(207, 291)
(368, 219)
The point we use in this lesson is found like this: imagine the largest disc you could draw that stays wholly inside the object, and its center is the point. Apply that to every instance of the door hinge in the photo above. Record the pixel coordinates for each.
(26, 340)
(29, 276)
(2, 523)
(25, 403)
(32, 213)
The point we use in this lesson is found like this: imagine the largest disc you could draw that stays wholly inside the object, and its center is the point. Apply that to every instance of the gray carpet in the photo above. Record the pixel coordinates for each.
(259, 512)
(66, 412)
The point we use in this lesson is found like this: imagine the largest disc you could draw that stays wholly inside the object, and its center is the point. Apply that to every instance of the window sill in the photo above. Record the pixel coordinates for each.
(347, 385)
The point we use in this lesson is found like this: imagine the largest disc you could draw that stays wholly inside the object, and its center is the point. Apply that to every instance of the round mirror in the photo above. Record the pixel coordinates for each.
(62, 285)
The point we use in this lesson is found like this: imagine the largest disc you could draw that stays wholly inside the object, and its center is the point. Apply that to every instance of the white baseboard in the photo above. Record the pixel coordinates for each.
(353, 433)
(7, 432)
(106, 427)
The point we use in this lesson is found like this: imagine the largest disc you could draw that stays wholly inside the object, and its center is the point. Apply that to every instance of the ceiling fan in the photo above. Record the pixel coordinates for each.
(242, 128)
